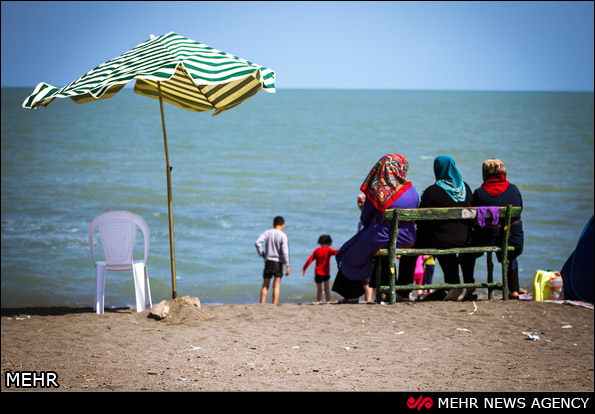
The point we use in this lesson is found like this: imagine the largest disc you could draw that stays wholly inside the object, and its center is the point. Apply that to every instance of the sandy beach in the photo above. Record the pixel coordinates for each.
(429, 346)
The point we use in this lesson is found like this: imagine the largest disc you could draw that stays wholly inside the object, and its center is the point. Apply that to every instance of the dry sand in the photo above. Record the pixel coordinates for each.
(428, 346)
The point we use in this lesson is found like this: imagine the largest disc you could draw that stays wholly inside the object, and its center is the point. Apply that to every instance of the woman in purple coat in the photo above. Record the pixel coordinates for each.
(385, 187)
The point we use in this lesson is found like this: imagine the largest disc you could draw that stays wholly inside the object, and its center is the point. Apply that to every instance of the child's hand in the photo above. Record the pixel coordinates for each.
(287, 271)
(303, 272)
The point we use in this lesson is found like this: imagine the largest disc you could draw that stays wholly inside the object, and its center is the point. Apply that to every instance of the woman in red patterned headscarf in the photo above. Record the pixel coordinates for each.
(385, 187)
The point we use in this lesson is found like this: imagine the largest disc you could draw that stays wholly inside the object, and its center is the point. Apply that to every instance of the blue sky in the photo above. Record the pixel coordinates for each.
(358, 45)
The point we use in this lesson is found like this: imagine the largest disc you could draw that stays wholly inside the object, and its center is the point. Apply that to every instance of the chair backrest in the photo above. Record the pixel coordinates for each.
(118, 233)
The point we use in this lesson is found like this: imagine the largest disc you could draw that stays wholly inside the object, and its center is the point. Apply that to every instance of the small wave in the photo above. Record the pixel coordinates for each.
(226, 224)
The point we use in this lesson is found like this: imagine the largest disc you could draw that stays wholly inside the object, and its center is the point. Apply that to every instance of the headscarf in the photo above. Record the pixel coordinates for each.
(386, 181)
(494, 177)
(449, 178)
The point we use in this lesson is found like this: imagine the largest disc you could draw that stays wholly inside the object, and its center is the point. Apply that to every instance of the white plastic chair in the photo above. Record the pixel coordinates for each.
(118, 233)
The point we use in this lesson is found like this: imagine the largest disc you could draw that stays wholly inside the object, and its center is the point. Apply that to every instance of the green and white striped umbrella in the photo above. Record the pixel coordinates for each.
(193, 76)
(173, 69)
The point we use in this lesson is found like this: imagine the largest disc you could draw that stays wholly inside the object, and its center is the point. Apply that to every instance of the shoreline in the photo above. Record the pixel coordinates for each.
(431, 346)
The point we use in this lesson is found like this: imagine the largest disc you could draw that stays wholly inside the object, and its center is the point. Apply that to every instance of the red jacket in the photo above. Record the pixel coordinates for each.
(323, 260)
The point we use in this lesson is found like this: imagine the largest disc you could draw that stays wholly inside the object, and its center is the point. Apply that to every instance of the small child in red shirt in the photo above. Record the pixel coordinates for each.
(322, 272)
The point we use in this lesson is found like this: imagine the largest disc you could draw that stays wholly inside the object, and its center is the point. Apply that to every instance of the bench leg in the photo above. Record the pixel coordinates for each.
(505, 278)
(490, 274)
(393, 292)
(377, 272)
(505, 253)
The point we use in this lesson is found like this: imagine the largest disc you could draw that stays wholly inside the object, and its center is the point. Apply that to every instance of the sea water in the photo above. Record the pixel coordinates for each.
(301, 154)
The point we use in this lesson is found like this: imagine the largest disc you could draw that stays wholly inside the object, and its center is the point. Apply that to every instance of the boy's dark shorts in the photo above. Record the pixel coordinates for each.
(321, 278)
(272, 269)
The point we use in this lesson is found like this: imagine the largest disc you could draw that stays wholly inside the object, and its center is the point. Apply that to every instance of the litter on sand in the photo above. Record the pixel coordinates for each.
(192, 348)
(531, 336)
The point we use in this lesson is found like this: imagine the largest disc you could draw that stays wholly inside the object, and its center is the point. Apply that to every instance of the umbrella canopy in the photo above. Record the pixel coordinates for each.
(193, 76)
(173, 69)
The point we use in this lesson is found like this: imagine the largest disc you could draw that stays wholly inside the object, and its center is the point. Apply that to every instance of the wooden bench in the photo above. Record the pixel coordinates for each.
(506, 214)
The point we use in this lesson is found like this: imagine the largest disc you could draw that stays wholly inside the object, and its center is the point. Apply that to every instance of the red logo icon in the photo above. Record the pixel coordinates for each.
(420, 403)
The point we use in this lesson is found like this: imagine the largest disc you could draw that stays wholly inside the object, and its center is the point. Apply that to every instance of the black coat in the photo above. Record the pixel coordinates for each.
(443, 234)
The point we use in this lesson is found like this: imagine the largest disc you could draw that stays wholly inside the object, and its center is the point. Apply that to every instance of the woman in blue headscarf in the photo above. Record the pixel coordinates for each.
(449, 190)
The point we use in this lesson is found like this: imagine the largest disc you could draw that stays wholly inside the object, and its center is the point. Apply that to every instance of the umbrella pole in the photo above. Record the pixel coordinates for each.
(169, 202)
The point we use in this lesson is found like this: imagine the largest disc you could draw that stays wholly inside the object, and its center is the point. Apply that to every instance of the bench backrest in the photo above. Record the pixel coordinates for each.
(445, 213)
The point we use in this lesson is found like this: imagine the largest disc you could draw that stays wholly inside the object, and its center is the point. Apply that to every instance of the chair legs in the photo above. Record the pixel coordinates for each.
(99, 287)
(141, 287)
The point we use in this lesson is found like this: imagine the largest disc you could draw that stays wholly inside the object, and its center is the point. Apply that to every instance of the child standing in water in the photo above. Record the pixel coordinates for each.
(322, 272)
